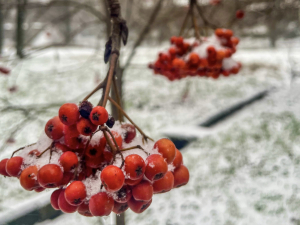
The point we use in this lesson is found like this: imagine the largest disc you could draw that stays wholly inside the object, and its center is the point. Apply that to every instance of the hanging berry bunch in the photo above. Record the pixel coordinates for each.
(96, 169)
(97, 165)
(198, 56)
(209, 57)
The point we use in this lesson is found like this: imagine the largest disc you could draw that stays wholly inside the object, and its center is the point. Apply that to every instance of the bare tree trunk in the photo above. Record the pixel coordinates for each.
(1, 27)
(120, 219)
(20, 31)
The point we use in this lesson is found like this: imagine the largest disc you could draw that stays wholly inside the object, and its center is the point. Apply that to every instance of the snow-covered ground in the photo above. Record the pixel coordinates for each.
(244, 171)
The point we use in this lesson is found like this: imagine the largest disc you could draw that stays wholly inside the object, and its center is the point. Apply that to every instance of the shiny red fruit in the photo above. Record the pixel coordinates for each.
(165, 184)
(99, 115)
(130, 132)
(156, 167)
(143, 191)
(28, 178)
(84, 209)
(112, 178)
(69, 113)
(101, 204)
(50, 176)
(85, 127)
(13, 166)
(134, 167)
(181, 176)
(71, 131)
(124, 194)
(68, 160)
(75, 193)
(138, 206)
(54, 199)
(54, 128)
(178, 159)
(64, 205)
(120, 207)
(75, 142)
(3, 167)
(133, 182)
(167, 148)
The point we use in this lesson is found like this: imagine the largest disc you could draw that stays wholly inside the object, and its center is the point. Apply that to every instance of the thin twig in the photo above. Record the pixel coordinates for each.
(134, 147)
(185, 22)
(21, 149)
(194, 20)
(125, 114)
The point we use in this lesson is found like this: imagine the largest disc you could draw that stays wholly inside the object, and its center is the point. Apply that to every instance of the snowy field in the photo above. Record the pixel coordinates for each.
(246, 170)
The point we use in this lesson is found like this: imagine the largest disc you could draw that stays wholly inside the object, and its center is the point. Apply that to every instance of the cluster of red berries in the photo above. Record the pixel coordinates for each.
(209, 57)
(91, 178)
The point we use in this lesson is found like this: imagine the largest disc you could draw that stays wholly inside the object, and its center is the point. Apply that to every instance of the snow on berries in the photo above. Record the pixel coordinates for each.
(95, 164)
(206, 57)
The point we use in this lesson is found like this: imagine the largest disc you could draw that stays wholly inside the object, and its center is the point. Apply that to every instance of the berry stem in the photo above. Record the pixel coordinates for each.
(116, 150)
(184, 22)
(21, 149)
(134, 147)
(194, 20)
(145, 137)
(50, 147)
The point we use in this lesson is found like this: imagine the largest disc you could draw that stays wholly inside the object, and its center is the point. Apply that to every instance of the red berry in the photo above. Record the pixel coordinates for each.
(62, 147)
(134, 167)
(101, 204)
(181, 176)
(178, 159)
(93, 162)
(99, 115)
(120, 207)
(84, 209)
(3, 167)
(67, 177)
(166, 148)
(178, 63)
(75, 142)
(156, 167)
(165, 184)
(143, 191)
(68, 161)
(123, 195)
(133, 182)
(75, 193)
(85, 127)
(34, 152)
(39, 189)
(112, 178)
(130, 132)
(50, 176)
(240, 14)
(71, 131)
(54, 199)
(69, 113)
(54, 128)
(28, 178)
(13, 166)
(138, 206)
(64, 205)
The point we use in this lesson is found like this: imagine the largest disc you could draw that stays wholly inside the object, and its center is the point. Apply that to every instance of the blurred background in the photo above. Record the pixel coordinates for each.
(239, 135)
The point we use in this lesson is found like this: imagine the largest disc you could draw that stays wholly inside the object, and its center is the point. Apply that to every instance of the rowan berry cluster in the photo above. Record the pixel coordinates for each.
(95, 169)
(208, 57)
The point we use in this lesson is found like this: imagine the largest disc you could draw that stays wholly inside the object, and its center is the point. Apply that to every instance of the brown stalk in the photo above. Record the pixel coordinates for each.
(145, 137)
(21, 149)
